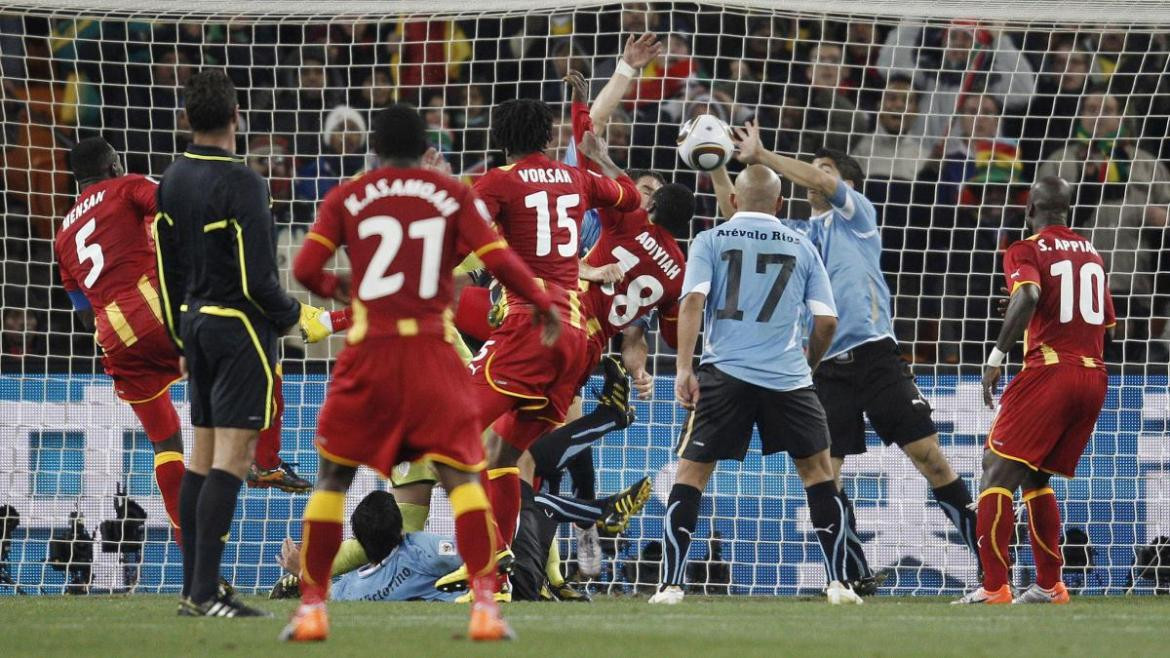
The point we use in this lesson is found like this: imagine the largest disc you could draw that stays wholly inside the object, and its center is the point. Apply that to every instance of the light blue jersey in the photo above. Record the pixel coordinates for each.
(407, 574)
(851, 248)
(759, 277)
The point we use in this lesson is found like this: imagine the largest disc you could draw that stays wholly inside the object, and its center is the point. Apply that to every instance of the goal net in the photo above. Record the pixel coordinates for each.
(951, 115)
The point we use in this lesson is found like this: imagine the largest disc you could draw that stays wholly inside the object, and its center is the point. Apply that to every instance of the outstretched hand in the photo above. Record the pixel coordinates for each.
(550, 326)
(641, 50)
(991, 375)
(580, 86)
(593, 146)
(747, 139)
(435, 161)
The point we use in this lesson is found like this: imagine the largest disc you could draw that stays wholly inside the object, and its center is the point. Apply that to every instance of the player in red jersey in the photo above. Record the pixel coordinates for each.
(1060, 304)
(108, 268)
(538, 204)
(403, 227)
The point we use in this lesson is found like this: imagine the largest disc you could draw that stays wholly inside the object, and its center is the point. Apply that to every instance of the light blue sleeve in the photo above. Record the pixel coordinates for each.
(442, 556)
(818, 294)
(700, 266)
(853, 207)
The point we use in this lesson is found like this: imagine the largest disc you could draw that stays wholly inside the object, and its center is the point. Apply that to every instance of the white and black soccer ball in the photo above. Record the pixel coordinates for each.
(704, 143)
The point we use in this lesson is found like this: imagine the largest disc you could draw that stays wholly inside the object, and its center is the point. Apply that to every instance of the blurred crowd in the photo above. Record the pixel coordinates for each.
(950, 122)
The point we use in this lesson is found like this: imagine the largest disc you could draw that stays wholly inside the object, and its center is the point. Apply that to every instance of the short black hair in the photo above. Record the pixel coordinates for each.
(674, 208)
(377, 525)
(211, 100)
(635, 174)
(399, 132)
(849, 168)
(522, 126)
(91, 159)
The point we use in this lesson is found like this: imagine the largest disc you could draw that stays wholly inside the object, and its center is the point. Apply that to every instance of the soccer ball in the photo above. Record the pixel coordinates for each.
(704, 143)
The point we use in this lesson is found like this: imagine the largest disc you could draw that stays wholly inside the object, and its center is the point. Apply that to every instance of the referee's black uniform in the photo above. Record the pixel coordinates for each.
(217, 270)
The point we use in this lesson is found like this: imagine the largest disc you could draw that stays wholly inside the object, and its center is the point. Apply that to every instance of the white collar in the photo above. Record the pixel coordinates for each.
(748, 214)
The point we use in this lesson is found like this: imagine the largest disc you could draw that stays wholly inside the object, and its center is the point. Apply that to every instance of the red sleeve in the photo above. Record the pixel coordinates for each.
(620, 194)
(477, 235)
(582, 124)
(67, 279)
(142, 193)
(342, 319)
(321, 242)
(668, 325)
(488, 191)
(1019, 265)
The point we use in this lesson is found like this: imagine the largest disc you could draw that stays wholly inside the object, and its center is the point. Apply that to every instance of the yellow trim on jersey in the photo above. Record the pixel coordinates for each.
(1032, 238)
(407, 327)
(1017, 284)
(490, 247)
(487, 375)
(222, 312)
(213, 158)
(361, 324)
(117, 320)
(215, 226)
(621, 195)
(1050, 355)
(168, 309)
(1025, 462)
(223, 224)
(167, 457)
(574, 310)
(507, 167)
(495, 473)
(340, 460)
(687, 437)
(451, 335)
(1088, 362)
(592, 326)
(151, 296)
(317, 237)
(1036, 493)
(161, 391)
(995, 490)
(455, 463)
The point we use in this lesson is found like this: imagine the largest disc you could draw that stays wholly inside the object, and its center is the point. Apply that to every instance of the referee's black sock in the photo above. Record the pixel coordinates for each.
(856, 566)
(955, 501)
(682, 513)
(553, 451)
(188, 502)
(830, 522)
(217, 506)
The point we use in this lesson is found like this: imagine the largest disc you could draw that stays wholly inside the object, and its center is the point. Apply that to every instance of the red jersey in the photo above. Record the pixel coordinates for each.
(1075, 305)
(104, 251)
(653, 266)
(539, 203)
(405, 230)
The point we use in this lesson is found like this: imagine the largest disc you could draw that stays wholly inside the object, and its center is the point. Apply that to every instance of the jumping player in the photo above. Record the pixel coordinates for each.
(108, 268)
(403, 226)
(1060, 304)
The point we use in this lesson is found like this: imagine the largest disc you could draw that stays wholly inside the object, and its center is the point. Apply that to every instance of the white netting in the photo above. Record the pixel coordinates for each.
(951, 117)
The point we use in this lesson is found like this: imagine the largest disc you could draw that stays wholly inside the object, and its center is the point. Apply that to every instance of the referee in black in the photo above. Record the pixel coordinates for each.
(224, 306)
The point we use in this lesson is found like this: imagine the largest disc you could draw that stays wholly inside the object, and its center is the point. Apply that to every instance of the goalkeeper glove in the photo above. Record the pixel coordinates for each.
(316, 325)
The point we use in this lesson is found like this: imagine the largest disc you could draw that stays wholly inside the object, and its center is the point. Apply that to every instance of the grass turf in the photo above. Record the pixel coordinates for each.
(147, 626)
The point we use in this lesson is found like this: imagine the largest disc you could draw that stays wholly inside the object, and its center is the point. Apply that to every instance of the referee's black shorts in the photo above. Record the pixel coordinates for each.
(720, 427)
(231, 361)
(872, 380)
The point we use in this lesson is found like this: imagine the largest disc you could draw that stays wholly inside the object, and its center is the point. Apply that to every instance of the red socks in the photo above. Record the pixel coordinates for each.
(475, 531)
(505, 498)
(168, 473)
(320, 540)
(1044, 531)
(268, 445)
(995, 525)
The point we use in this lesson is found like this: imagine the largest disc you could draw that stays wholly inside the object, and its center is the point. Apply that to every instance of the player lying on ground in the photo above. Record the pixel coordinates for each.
(1061, 306)
(862, 375)
(382, 562)
(761, 277)
(403, 227)
(523, 391)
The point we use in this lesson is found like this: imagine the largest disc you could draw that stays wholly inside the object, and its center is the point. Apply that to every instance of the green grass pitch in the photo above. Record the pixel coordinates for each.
(147, 626)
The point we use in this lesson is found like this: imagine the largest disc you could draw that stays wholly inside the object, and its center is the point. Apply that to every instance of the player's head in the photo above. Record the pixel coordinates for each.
(672, 207)
(399, 134)
(1048, 202)
(93, 160)
(377, 525)
(647, 183)
(211, 103)
(757, 189)
(839, 164)
(522, 126)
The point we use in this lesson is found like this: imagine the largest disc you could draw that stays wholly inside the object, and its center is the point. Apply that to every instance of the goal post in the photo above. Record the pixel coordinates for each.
(952, 110)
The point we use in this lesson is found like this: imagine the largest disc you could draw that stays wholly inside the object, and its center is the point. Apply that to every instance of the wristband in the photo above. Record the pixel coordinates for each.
(625, 69)
(995, 359)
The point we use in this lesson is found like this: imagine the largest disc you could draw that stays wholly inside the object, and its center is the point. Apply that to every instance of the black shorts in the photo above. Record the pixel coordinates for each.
(231, 359)
(872, 381)
(720, 427)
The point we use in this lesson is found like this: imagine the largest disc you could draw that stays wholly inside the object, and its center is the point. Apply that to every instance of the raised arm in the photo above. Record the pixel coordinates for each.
(723, 187)
(752, 151)
(637, 54)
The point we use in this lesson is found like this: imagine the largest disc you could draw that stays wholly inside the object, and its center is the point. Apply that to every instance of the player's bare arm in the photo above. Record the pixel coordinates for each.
(690, 318)
(751, 151)
(639, 52)
(1020, 308)
(819, 339)
(635, 352)
(721, 180)
(611, 273)
(594, 147)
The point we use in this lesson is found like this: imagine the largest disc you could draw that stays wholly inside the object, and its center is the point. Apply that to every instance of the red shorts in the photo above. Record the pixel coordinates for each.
(538, 383)
(1047, 416)
(471, 314)
(400, 399)
(143, 374)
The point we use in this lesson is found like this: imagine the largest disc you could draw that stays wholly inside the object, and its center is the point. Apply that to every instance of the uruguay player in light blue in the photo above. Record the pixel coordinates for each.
(863, 374)
(749, 282)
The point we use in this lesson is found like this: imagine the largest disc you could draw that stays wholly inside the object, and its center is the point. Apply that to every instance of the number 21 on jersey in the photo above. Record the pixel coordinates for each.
(377, 281)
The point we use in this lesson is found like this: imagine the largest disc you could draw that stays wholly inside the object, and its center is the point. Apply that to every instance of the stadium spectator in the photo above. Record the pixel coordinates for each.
(301, 102)
(979, 155)
(1122, 193)
(426, 54)
(376, 92)
(974, 59)
(821, 111)
(268, 156)
(894, 150)
(1065, 74)
(438, 121)
(21, 338)
(476, 112)
(343, 149)
(158, 127)
(565, 56)
(862, 47)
